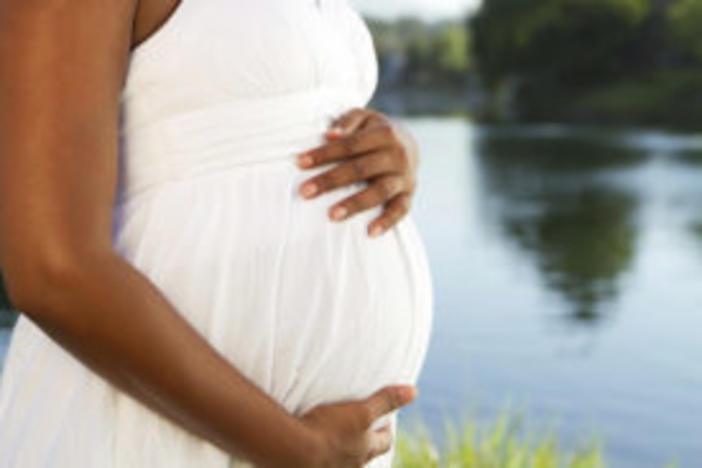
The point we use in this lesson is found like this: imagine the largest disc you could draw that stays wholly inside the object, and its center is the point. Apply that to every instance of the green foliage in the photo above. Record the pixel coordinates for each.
(684, 22)
(573, 40)
(432, 53)
(451, 45)
(623, 61)
(669, 98)
(500, 446)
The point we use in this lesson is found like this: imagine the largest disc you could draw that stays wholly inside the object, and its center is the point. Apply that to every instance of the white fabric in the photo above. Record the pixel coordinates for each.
(216, 106)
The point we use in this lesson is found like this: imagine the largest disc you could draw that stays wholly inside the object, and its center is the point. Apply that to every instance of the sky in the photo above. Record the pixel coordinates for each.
(428, 9)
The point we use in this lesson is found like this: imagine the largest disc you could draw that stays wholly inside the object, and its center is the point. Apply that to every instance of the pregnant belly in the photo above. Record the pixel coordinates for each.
(309, 309)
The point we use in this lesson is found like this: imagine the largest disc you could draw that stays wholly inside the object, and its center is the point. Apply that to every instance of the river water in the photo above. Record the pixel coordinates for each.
(568, 277)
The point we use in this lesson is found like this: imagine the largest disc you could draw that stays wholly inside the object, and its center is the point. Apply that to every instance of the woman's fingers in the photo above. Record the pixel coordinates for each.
(345, 428)
(348, 123)
(381, 190)
(354, 120)
(380, 441)
(371, 148)
(395, 210)
(356, 143)
(385, 400)
(358, 169)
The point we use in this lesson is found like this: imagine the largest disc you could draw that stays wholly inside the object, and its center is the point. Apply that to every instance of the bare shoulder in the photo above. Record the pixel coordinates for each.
(47, 31)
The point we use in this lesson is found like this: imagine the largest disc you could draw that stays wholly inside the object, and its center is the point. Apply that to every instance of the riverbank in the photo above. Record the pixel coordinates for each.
(666, 99)
(502, 444)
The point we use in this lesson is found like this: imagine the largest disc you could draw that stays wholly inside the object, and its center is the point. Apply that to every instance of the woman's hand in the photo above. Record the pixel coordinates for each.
(343, 429)
(371, 148)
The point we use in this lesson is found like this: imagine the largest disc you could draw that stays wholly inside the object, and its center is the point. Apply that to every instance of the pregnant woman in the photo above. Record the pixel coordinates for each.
(169, 190)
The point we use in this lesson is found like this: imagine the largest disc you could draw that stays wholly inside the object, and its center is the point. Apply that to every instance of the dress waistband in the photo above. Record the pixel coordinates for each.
(233, 133)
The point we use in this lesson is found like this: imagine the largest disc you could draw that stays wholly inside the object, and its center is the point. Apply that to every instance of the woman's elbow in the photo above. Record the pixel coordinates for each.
(38, 282)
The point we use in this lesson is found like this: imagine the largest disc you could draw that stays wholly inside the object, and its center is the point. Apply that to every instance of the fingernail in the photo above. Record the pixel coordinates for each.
(376, 230)
(304, 160)
(338, 213)
(309, 189)
(407, 393)
(336, 131)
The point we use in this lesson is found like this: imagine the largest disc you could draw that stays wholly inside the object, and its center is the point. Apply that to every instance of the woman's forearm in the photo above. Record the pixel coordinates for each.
(110, 316)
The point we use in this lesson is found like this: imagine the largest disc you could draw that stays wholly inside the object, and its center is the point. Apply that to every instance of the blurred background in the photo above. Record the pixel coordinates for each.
(560, 200)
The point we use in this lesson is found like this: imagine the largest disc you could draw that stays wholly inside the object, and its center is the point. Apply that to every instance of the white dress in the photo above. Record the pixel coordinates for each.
(215, 108)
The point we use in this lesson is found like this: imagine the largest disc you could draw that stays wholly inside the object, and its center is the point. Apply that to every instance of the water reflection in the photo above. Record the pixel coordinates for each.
(550, 195)
(690, 157)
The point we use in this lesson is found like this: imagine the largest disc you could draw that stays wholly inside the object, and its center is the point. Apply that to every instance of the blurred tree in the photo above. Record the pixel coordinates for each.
(419, 50)
(413, 52)
(685, 25)
(604, 61)
(574, 41)
(452, 51)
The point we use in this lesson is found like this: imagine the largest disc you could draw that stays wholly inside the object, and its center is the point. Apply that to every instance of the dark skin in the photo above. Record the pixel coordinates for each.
(62, 66)
(368, 147)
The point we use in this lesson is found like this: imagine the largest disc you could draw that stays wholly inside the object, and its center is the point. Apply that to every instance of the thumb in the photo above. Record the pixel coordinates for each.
(387, 399)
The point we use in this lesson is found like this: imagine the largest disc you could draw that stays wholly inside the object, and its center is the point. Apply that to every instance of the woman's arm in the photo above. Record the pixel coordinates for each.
(62, 67)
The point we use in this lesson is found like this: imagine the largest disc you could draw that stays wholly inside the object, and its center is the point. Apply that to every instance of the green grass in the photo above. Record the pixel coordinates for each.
(503, 444)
